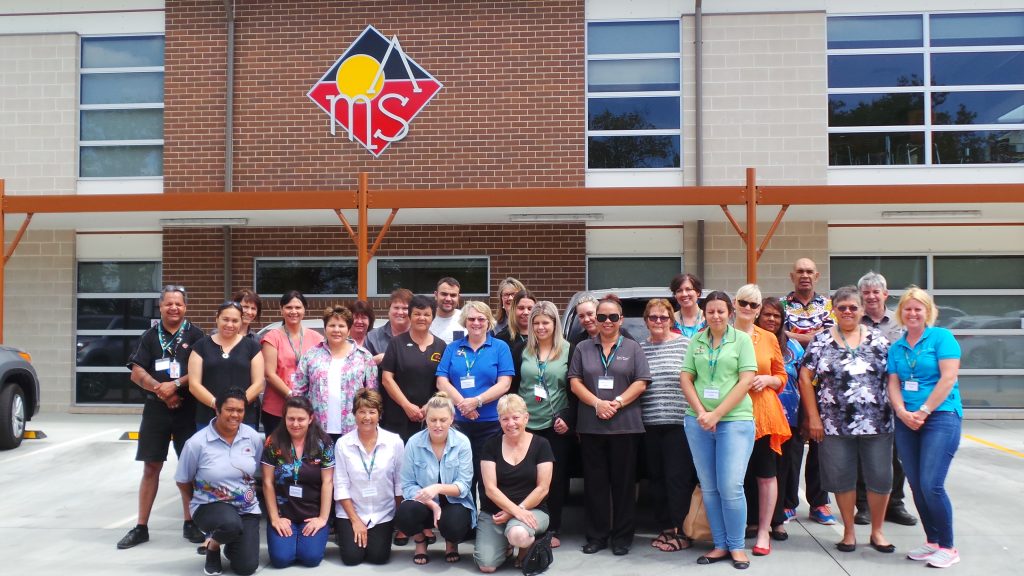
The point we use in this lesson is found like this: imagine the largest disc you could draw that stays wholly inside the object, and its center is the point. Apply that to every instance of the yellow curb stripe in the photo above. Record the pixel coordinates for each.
(994, 445)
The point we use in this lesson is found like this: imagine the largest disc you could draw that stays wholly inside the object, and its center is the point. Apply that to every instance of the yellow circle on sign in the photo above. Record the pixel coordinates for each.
(356, 77)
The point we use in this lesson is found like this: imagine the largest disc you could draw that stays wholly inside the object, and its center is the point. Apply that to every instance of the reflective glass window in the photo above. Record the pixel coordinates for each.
(121, 161)
(970, 68)
(633, 75)
(1003, 107)
(126, 88)
(852, 32)
(992, 391)
(979, 147)
(899, 271)
(311, 277)
(130, 124)
(896, 109)
(633, 152)
(991, 352)
(113, 276)
(868, 70)
(421, 274)
(633, 113)
(122, 51)
(107, 388)
(974, 312)
(979, 272)
(980, 29)
(633, 37)
(876, 149)
(633, 271)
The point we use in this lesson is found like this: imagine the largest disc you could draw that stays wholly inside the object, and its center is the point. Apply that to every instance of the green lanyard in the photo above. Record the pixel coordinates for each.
(912, 363)
(842, 337)
(170, 345)
(465, 357)
(373, 458)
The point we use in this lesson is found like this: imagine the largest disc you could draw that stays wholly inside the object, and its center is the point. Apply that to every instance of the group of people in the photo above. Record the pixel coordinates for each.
(455, 421)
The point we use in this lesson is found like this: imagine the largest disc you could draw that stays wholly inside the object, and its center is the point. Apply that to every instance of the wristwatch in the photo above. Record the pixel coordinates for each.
(619, 400)
(924, 408)
(177, 383)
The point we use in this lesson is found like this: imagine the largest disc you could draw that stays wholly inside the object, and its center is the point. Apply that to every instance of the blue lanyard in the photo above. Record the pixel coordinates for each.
(173, 340)
(714, 353)
(912, 364)
(606, 361)
(296, 466)
(465, 356)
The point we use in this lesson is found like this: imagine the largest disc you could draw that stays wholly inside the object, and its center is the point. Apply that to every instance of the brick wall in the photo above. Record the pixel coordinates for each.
(510, 113)
(549, 258)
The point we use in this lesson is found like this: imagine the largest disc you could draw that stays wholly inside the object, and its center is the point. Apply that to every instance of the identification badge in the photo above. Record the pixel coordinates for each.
(910, 386)
(174, 369)
(369, 492)
(858, 367)
(540, 392)
(711, 393)
(162, 364)
(467, 382)
(295, 491)
(606, 383)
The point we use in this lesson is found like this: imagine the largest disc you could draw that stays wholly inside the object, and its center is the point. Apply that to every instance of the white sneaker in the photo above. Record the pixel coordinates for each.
(923, 552)
(944, 558)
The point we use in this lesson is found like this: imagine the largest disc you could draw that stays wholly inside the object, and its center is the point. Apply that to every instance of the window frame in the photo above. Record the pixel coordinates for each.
(588, 133)
(124, 106)
(928, 128)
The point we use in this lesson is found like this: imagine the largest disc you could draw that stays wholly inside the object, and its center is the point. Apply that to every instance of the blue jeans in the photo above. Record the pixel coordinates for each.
(926, 454)
(721, 460)
(307, 550)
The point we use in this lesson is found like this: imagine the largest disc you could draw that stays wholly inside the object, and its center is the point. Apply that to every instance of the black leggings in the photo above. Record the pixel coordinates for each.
(670, 474)
(239, 533)
(455, 525)
(378, 543)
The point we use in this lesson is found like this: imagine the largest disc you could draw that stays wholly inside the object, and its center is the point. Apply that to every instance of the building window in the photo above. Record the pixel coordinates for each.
(340, 276)
(980, 298)
(116, 303)
(313, 277)
(628, 271)
(633, 94)
(926, 89)
(121, 107)
(421, 274)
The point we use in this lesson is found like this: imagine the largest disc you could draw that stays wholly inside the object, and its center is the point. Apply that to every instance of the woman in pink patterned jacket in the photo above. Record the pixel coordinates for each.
(331, 372)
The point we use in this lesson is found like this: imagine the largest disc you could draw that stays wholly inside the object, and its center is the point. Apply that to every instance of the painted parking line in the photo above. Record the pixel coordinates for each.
(994, 445)
(130, 519)
(60, 446)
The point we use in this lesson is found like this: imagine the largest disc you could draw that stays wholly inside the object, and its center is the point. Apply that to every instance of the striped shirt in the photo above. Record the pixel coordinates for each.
(663, 401)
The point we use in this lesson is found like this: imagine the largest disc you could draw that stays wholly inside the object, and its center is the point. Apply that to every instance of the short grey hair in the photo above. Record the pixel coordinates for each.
(872, 280)
(172, 289)
(847, 293)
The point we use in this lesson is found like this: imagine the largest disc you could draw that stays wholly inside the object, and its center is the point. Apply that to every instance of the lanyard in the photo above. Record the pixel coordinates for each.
(465, 356)
(373, 458)
(171, 344)
(542, 366)
(606, 361)
(714, 353)
(689, 331)
(847, 344)
(297, 353)
(912, 363)
(296, 465)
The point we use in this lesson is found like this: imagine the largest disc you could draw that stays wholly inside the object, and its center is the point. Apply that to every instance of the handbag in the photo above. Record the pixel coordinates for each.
(538, 555)
(695, 525)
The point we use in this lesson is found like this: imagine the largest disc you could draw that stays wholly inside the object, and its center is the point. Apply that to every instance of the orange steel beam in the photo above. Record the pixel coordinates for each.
(348, 227)
(751, 237)
(557, 197)
(181, 202)
(735, 225)
(17, 237)
(383, 232)
(898, 194)
(771, 231)
(364, 234)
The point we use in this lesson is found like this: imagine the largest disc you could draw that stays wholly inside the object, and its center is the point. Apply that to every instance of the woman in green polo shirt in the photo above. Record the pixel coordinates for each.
(542, 366)
(717, 372)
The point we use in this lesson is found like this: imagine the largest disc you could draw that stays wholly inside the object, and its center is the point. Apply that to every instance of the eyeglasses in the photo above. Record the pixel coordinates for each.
(479, 320)
(848, 308)
(658, 319)
(748, 304)
(609, 317)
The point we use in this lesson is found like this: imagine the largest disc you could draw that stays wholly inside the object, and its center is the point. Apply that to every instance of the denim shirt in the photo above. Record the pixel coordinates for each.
(421, 467)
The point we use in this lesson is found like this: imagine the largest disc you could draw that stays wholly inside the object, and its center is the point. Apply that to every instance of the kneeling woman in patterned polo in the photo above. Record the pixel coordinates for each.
(216, 477)
(516, 472)
(298, 470)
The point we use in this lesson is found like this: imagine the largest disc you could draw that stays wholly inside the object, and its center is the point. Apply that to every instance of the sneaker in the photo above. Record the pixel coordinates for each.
(823, 515)
(923, 552)
(192, 533)
(790, 514)
(944, 558)
(213, 566)
(134, 537)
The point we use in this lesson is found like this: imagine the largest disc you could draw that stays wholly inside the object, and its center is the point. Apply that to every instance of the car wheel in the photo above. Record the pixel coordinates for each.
(12, 416)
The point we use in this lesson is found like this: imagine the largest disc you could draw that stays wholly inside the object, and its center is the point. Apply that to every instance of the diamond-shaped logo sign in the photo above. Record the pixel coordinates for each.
(374, 91)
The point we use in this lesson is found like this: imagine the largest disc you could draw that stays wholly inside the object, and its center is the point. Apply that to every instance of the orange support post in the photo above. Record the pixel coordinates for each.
(364, 236)
(3, 263)
(17, 237)
(383, 232)
(751, 239)
(771, 231)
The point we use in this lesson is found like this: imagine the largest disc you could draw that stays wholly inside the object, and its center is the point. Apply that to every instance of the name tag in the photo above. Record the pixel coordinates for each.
(467, 382)
(162, 364)
(606, 383)
(540, 392)
(295, 491)
(174, 370)
(711, 393)
(369, 492)
(910, 386)
(858, 367)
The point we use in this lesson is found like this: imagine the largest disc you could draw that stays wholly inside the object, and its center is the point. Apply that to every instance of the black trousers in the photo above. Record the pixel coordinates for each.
(812, 474)
(561, 445)
(378, 543)
(789, 470)
(609, 486)
(670, 473)
(239, 533)
(455, 524)
(898, 479)
(270, 422)
(479, 433)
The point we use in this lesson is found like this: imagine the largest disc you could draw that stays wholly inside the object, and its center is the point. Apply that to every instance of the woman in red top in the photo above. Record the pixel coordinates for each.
(282, 350)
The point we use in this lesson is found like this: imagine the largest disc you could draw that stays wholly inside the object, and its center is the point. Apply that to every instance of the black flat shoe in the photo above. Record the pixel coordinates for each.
(740, 564)
(594, 547)
(712, 559)
(620, 550)
(884, 548)
(844, 547)
(779, 535)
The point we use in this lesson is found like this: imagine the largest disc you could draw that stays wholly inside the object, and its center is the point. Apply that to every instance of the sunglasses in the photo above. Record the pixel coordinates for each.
(609, 317)
(848, 308)
(658, 319)
(748, 304)
(173, 288)
(476, 320)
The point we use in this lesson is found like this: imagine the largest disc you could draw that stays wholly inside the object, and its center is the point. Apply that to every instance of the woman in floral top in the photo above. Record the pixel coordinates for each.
(332, 371)
(843, 390)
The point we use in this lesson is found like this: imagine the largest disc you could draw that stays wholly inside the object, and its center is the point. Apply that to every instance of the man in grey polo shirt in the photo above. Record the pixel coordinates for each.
(874, 292)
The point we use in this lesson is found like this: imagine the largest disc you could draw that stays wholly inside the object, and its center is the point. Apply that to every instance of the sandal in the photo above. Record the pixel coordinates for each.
(452, 557)
(432, 539)
(400, 540)
(674, 543)
(420, 558)
(662, 538)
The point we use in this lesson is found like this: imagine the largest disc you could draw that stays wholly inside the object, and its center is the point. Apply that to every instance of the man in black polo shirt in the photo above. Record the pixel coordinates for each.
(159, 366)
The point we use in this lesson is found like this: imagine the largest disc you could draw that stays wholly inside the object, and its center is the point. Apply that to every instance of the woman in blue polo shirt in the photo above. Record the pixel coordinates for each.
(475, 371)
(925, 395)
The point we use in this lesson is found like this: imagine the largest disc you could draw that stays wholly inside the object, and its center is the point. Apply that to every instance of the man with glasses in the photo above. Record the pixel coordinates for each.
(446, 323)
(160, 367)
(808, 313)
